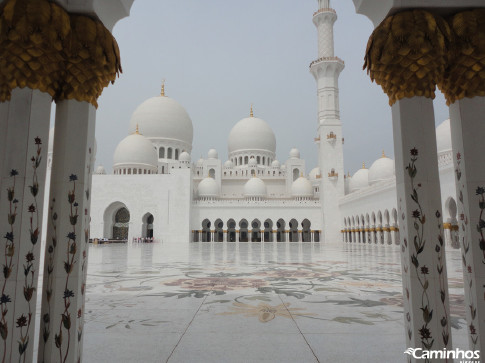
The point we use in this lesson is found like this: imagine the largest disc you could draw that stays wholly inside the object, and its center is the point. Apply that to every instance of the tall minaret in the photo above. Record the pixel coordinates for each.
(326, 70)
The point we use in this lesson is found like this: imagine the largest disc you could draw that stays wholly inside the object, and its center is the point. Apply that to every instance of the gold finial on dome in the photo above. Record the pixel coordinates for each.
(137, 131)
(162, 93)
(251, 114)
(363, 165)
(383, 154)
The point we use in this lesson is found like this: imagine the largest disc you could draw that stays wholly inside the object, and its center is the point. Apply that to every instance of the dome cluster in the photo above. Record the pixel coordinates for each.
(384, 168)
(381, 170)
(161, 136)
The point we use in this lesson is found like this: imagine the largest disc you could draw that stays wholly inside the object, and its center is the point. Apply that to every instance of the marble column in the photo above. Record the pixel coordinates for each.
(62, 315)
(467, 131)
(23, 161)
(425, 283)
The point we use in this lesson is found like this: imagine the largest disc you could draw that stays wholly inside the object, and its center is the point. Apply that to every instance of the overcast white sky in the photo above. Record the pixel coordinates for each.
(219, 56)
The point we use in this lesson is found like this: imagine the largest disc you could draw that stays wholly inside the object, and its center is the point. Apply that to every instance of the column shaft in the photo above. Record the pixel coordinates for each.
(467, 132)
(425, 284)
(65, 268)
(23, 161)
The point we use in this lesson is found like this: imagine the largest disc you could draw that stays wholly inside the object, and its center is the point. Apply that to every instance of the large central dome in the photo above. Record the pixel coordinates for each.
(163, 118)
(251, 134)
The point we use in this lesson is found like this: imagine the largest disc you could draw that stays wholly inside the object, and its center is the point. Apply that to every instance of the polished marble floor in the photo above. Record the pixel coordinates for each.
(250, 302)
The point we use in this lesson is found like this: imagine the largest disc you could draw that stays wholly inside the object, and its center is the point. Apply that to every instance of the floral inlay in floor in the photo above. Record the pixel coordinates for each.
(231, 302)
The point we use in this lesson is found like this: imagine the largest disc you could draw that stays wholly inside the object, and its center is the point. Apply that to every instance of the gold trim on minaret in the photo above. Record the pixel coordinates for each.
(162, 93)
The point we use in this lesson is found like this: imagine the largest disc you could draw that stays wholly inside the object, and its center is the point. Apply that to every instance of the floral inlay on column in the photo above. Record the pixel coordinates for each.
(439, 248)
(84, 266)
(8, 263)
(25, 321)
(419, 244)
(50, 276)
(71, 249)
(405, 264)
(466, 258)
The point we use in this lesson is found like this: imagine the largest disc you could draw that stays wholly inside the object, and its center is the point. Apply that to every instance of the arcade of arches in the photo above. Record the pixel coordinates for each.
(256, 231)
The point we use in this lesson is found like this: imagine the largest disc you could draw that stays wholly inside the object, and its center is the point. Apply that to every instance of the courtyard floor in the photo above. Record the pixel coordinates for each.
(251, 302)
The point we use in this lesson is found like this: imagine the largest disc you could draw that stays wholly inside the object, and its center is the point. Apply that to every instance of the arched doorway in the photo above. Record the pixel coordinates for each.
(147, 229)
(294, 231)
(243, 231)
(256, 231)
(306, 233)
(219, 231)
(206, 231)
(268, 230)
(231, 230)
(122, 224)
(280, 233)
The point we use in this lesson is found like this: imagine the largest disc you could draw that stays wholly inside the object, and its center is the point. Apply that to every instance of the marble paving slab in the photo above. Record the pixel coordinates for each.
(251, 302)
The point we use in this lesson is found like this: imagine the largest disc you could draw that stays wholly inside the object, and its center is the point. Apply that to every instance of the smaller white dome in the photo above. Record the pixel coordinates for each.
(252, 162)
(302, 188)
(200, 162)
(294, 153)
(212, 154)
(184, 157)
(135, 149)
(275, 164)
(229, 164)
(208, 188)
(359, 180)
(443, 136)
(255, 187)
(100, 170)
(314, 173)
(381, 169)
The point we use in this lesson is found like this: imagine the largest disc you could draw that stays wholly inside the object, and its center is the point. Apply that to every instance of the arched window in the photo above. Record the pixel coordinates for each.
(258, 160)
(264, 160)
(169, 153)
(246, 160)
(212, 173)
(161, 153)
(129, 171)
(176, 154)
(240, 160)
(296, 174)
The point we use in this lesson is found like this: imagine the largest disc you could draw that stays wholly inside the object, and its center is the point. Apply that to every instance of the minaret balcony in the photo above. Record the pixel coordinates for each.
(327, 59)
(324, 10)
(333, 175)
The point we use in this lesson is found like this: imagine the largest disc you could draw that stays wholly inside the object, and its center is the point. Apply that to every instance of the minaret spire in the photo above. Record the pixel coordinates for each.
(326, 70)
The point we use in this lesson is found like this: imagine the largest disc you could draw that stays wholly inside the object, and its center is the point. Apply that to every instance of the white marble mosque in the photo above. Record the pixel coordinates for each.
(255, 259)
